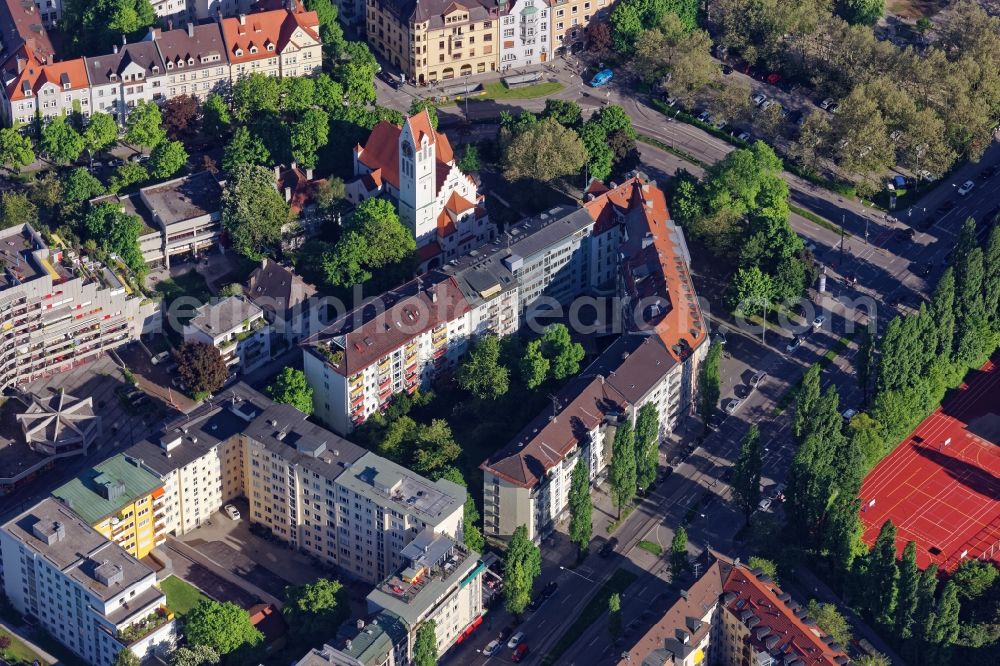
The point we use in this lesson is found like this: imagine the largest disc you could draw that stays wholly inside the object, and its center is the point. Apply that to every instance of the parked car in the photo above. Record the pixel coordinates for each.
(794, 344)
(745, 136)
(549, 590)
(819, 321)
(704, 116)
(733, 405)
(834, 108)
(758, 99)
(826, 103)
(491, 648)
(757, 378)
(945, 207)
(987, 173)
(727, 70)
(768, 104)
(519, 653)
(905, 234)
(966, 188)
(601, 78)
(765, 504)
(232, 511)
(160, 358)
(849, 414)
(515, 640)
(608, 547)
(720, 336)
(778, 491)
(719, 124)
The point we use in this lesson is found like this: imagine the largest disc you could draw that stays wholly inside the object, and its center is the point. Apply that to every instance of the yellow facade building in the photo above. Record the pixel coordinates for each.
(435, 40)
(121, 501)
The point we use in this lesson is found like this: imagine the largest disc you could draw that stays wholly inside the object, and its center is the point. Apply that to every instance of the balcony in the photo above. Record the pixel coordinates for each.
(144, 627)
(355, 380)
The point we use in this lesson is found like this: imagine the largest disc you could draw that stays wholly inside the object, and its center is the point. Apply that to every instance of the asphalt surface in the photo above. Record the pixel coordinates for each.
(873, 248)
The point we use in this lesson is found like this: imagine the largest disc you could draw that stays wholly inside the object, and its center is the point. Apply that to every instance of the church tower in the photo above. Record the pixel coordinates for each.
(417, 176)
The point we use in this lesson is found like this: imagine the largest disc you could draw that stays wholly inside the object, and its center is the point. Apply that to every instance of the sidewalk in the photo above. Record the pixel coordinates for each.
(22, 636)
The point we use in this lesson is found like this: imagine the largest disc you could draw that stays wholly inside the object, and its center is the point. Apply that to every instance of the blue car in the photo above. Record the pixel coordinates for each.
(601, 78)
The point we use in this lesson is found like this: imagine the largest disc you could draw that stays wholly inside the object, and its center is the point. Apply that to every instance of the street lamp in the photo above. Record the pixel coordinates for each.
(576, 573)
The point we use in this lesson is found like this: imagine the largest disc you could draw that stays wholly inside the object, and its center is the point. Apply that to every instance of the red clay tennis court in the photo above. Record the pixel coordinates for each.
(941, 486)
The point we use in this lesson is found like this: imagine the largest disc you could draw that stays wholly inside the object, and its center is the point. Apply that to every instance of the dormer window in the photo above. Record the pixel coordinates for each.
(239, 52)
(156, 69)
(253, 49)
(113, 77)
(270, 47)
(66, 86)
(191, 61)
(170, 65)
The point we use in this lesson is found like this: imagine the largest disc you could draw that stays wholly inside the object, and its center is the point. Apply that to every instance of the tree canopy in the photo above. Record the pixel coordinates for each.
(481, 372)
(224, 627)
(315, 610)
(291, 388)
(201, 367)
(253, 211)
(521, 566)
(544, 151)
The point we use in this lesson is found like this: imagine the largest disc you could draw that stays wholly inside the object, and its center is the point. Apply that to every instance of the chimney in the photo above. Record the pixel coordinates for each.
(288, 194)
(190, 27)
(277, 172)
(124, 40)
(243, 19)
(152, 33)
(309, 174)
(294, 165)
(170, 24)
(114, 48)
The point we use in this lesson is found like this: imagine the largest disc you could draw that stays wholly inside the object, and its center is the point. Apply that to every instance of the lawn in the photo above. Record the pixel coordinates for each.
(181, 596)
(619, 582)
(189, 284)
(19, 652)
(651, 547)
(498, 91)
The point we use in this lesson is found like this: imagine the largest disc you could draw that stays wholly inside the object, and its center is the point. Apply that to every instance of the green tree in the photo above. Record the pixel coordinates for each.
(882, 576)
(329, 94)
(244, 149)
(877, 659)
(254, 96)
(472, 536)
(344, 264)
(974, 578)
(866, 362)
(534, 366)
(623, 468)
(647, 444)
(418, 104)
(830, 620)
(522, 566)
(80, 185)
(709, 381)
(581, 507)
(566, 112)
(425, 651)
(101, 132)
(315, 610)
(944, 622)
(308, 136)
(16, 210)
(201, 368)
(90, 25)
(765, 565)
(751, 291)
(127, 175)
(355, 71)
(806, 400)
(126, 657)
(600, 156)
(679, 563)
(481, 373)
(253, 211)
(117, 232)
(469, 162)
(167, 158)
(298, 94)
(615, 616)
(196, 655)
(215, 116)
(544, 151)
(909, 591)
(564, 355)
(328, 193)
(387, 240)
(291, 388)
(224, 627)
(144, 126)
(60, 142)
(862, 12)
(746, 473)
(16, 150)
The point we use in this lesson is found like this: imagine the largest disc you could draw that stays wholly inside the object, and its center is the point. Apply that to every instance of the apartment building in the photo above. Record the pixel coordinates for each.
(379, 642)
(86, 592)
(524, 33)
(194, 59)
(58, 311)
(237, 328)
(570, 19)
(274, 43)
(399, 343)
(655, 361)
(414, 166)
(48, 90)
(125, 77)
(733, 616)
(319, 493)
(436, 40)
(287, 300)
(120, 500)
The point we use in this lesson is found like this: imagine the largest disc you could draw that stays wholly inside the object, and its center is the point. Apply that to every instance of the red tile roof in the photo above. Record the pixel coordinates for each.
(34, 76)
(270, 28)
(381, 150)
(746, 596)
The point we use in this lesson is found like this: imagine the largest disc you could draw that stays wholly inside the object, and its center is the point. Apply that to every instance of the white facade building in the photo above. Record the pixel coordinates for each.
(237, 328)
(87, 592)
(524, 33)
